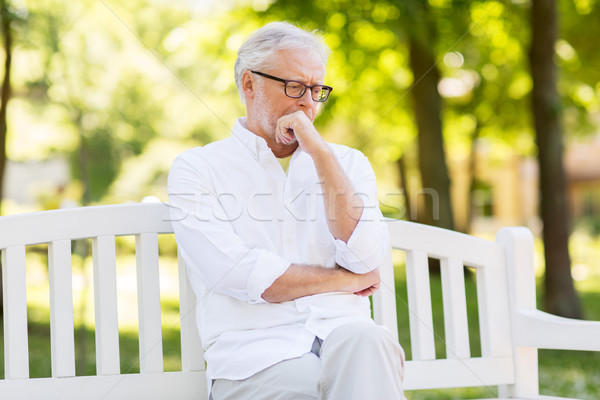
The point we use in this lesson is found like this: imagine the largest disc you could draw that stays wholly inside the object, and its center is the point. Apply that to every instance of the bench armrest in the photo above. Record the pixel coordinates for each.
(535, 328)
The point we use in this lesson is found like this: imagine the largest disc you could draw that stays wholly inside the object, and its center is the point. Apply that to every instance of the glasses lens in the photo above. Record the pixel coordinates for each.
(294, 89)
(320, 93)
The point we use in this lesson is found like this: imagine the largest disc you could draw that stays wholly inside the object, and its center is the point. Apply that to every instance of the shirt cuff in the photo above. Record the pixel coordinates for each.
(268, 268)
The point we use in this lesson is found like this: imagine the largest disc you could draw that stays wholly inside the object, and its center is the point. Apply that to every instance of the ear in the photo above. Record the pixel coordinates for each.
(248, 84)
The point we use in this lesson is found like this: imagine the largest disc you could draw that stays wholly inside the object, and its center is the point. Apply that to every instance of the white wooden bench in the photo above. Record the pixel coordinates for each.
(510, 327)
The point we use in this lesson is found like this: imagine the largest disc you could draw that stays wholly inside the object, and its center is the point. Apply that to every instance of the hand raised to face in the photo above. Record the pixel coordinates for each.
(298, 127)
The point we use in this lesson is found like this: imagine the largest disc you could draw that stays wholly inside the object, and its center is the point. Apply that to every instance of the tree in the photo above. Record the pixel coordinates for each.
(427, 109)
(560, 295)
(6, 88)
(108, 111)
(7, 18)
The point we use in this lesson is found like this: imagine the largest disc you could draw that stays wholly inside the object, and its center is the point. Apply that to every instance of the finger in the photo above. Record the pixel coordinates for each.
(366, 292)
(372, 290)
(280, 134)
(284, 130)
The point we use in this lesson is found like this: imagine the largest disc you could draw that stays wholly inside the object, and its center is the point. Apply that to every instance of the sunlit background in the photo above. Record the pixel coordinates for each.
(106, 93)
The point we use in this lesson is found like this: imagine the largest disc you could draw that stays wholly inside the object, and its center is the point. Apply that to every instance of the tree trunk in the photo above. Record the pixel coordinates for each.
(432, 160)
(472, 178)
(408, 212)
(560, 296)
(6, 90)
(5, 96)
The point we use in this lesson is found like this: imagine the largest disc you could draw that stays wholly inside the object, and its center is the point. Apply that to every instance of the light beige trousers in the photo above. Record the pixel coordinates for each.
(356, 361)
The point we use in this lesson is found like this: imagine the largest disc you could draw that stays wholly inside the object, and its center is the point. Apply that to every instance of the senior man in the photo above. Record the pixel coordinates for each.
(282, 237)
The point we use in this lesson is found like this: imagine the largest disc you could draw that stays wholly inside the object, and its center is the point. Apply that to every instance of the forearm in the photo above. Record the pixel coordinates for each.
(343, 206)
(301, 280)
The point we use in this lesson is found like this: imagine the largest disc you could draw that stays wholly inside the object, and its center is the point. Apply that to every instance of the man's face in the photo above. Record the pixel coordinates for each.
(270, 101)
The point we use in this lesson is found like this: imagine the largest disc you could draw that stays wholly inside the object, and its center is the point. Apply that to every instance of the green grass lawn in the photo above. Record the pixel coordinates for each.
(562, 373)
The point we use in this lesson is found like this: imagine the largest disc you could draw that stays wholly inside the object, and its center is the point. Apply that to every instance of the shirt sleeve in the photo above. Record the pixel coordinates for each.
(208, 243)
(369, 243)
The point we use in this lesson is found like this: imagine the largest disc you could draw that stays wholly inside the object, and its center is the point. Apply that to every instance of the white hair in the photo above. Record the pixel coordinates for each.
(256, 51)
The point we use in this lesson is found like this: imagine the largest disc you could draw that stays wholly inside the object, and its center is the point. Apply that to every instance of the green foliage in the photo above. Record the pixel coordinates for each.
(119, 77)
(101, 81)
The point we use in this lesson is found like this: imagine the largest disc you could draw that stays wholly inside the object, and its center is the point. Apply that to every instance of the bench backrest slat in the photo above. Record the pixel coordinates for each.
(192, 355)
(16, 352)
(384, 300)
(62, 341)
(494, 323)
(105, 305)
(419, 306)
(454, 298)
(150, 327)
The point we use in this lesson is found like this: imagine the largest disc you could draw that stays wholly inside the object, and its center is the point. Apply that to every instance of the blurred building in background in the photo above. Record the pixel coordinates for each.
(31, 185)
(506, 189)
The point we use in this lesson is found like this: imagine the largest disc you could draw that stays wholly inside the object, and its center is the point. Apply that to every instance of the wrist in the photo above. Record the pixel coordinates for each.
(321, 152)
(345, 281)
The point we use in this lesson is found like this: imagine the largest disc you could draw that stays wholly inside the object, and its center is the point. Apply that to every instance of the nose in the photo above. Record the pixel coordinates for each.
(306, 99)
(307, 105)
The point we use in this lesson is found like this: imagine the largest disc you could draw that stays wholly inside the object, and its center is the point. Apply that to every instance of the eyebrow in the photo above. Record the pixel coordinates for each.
(307, 82)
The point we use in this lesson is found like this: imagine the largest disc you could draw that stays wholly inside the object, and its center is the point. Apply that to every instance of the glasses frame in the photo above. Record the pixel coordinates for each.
(286, 81)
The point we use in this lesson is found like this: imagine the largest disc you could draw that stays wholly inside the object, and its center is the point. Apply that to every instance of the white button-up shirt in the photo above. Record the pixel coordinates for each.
(240, 222)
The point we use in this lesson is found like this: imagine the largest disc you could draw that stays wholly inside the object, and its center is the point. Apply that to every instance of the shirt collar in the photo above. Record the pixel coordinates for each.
(254, 143)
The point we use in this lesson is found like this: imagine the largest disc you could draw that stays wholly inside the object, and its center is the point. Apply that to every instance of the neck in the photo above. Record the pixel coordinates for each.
(280, 150)
(286, 151)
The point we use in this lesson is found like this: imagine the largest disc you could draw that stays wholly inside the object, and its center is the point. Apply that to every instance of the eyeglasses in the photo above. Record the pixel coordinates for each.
(296, 89)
